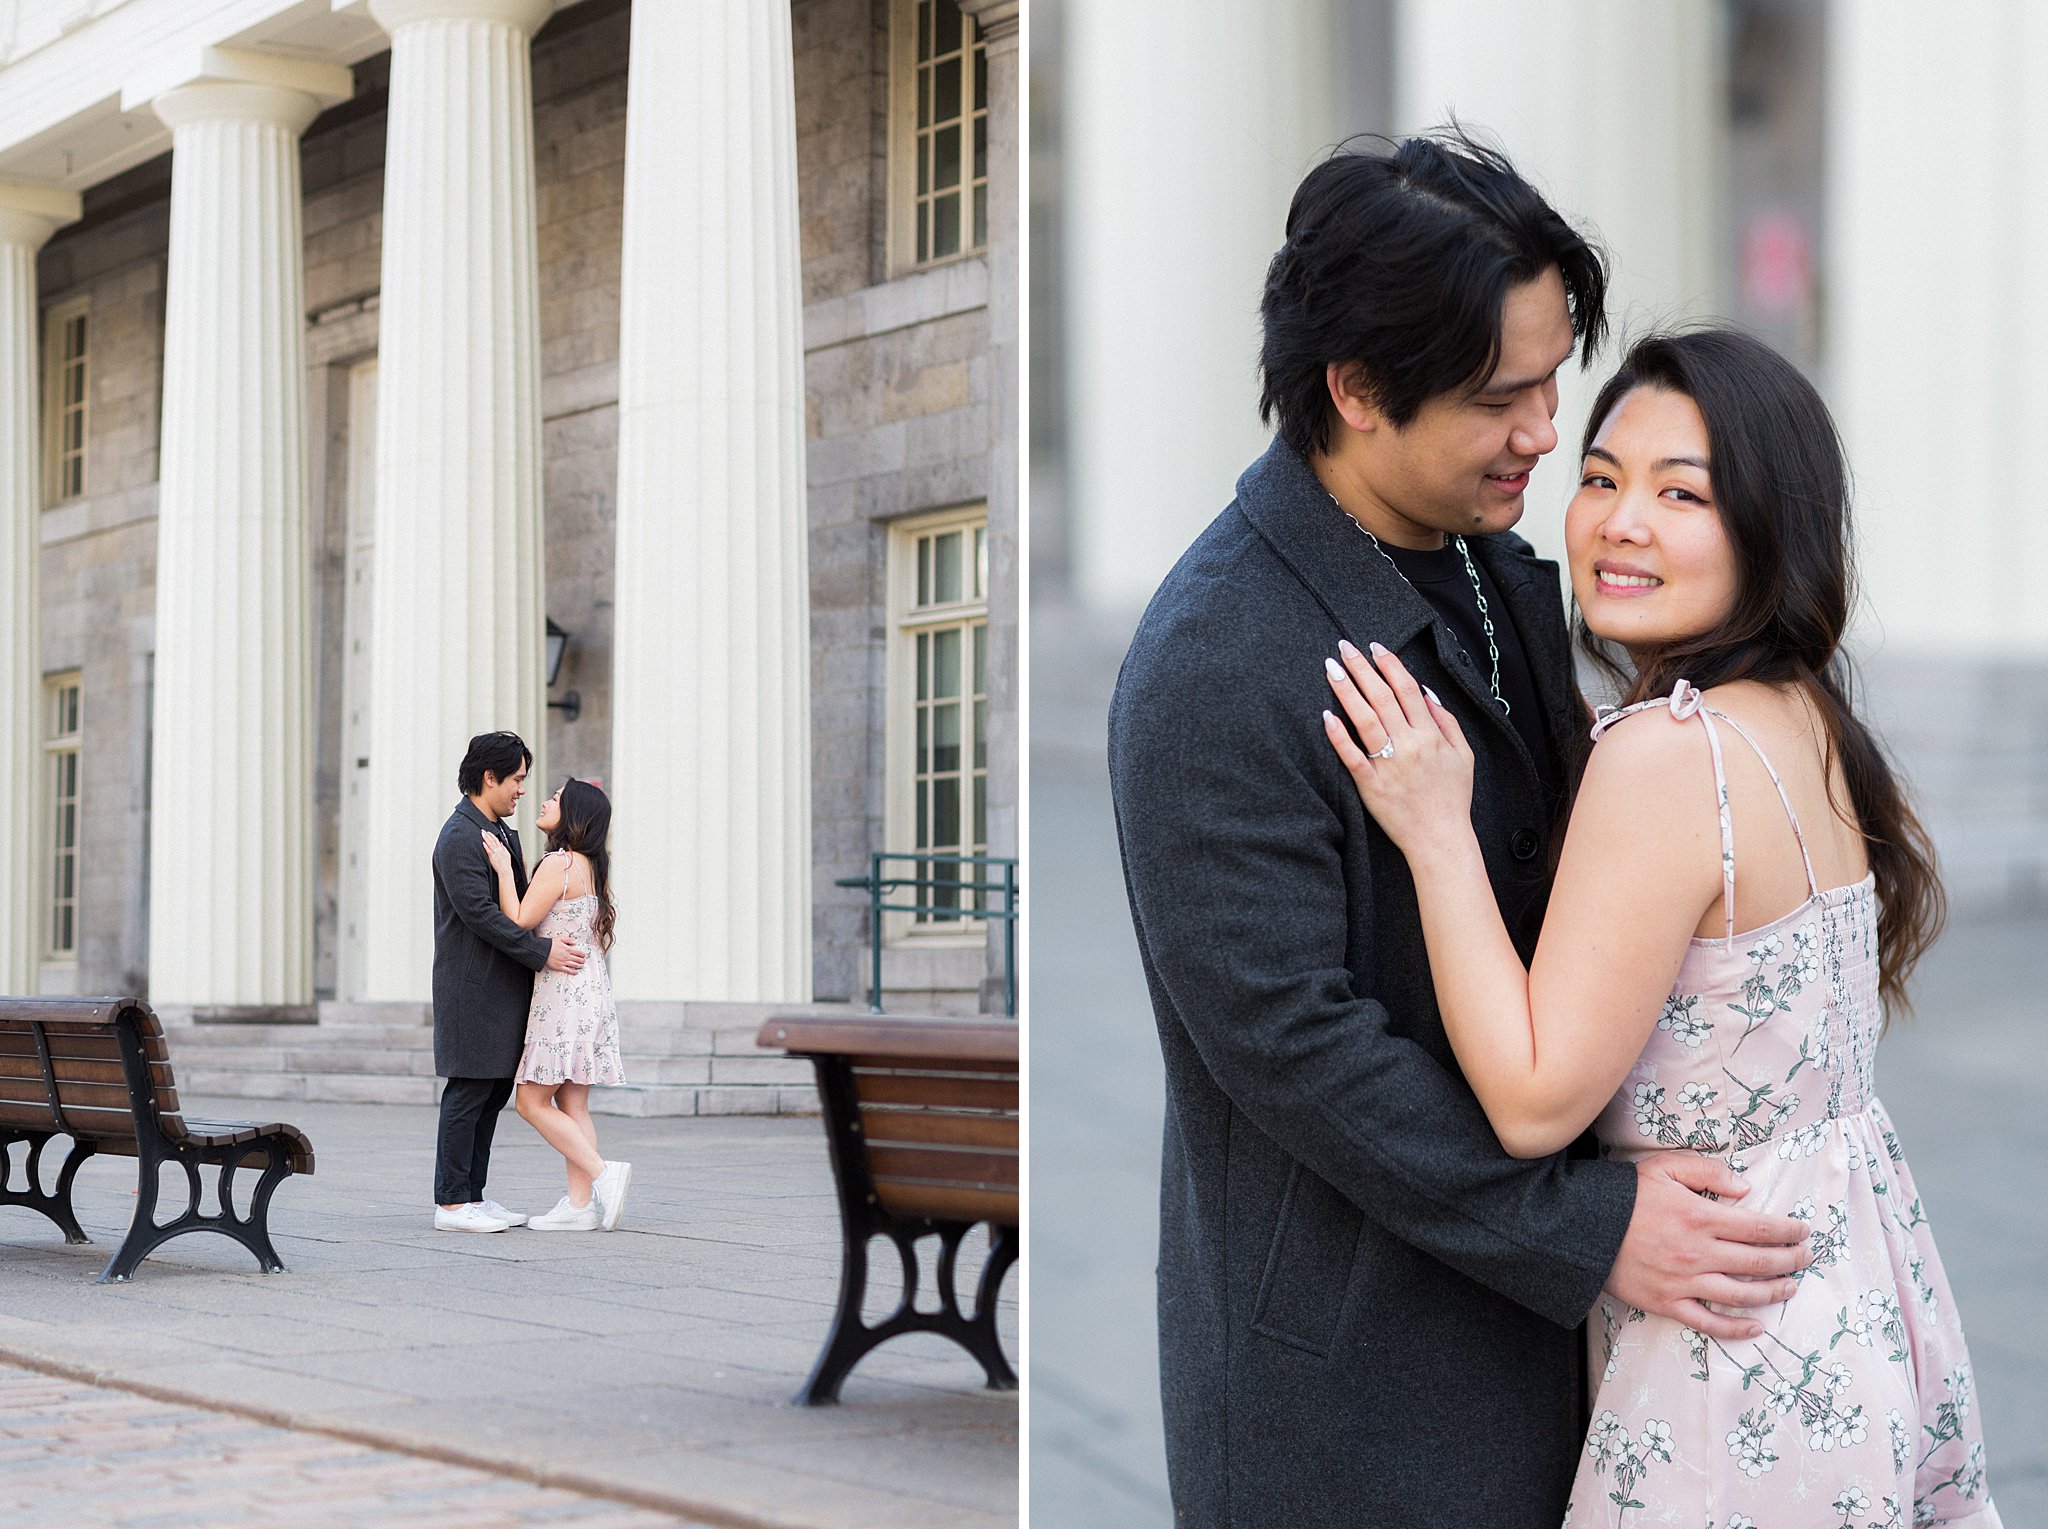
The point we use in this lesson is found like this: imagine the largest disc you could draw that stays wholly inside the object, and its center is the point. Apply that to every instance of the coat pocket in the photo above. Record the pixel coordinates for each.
(476, 961)
(1308, 1268)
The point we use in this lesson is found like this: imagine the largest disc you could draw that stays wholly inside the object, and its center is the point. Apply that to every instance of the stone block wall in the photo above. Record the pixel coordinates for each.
(897, 422)
(99, 564)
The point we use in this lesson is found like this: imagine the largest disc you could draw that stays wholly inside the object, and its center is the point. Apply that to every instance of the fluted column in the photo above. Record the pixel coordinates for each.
(1237, 100)
(231, 878)
(456, 626)
(1637, 163)
(711, 730)
(997, 22)
(28, 216)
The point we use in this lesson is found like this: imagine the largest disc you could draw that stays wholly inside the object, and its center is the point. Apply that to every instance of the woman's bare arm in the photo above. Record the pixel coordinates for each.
(550, 877)
(1544, 1047)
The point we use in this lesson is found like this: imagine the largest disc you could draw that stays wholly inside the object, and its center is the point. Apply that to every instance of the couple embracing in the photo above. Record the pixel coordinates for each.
(521, 993)
(1522, 1163)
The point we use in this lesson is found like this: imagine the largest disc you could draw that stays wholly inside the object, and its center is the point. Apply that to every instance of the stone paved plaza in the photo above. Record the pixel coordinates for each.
(1964, 1082)
(80, 1454)
(656, 1361)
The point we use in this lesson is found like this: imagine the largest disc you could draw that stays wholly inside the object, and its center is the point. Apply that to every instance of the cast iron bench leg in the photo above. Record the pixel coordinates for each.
(32, 1197)
(850, 1338)
(982, 1340)
(253, 1232)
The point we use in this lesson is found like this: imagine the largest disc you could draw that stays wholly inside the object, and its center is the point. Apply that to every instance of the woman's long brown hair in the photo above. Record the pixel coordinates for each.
(1781, 486)
(583, 824)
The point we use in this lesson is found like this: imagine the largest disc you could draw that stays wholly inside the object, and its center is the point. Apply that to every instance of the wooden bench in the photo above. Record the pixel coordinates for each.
(921, 1118)
(97, 1070)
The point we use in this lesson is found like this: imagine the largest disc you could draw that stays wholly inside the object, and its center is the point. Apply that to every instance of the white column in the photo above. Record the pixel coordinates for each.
(231, 920)
(711, 701)
(28, 216)
(1184, 135)
(1936, 352)
(457, 585)
(1612, 108)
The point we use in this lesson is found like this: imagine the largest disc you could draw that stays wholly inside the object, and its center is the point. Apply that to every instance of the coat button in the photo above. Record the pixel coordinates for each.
(1523, 844)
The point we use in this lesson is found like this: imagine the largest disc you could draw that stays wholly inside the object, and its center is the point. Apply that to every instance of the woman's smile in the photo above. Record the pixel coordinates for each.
(1620, 581)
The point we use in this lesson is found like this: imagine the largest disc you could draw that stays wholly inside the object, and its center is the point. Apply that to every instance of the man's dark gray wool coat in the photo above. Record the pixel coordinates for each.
(483, 962)
(1369, 1315)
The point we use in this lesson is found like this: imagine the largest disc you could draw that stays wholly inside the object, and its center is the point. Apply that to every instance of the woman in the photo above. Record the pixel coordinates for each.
(1709, 539)
(572, 1028)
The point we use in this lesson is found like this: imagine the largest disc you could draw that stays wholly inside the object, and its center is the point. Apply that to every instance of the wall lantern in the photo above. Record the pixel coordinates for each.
(558, 644)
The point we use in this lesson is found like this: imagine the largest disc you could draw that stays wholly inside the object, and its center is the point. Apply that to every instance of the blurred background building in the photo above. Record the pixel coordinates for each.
(374, 373)
(1851, 180)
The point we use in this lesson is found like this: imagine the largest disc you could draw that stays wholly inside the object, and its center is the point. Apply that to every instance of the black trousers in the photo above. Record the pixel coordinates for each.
(469, 1119)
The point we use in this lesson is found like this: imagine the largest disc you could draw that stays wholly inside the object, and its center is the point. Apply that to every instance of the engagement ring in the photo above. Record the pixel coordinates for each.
(1385, 753)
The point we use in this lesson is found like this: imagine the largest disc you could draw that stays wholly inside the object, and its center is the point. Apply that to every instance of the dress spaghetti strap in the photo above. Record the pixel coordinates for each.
(1684, 701)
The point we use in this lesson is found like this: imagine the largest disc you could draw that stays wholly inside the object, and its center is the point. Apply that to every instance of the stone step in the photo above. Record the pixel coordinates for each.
(657, 1099)
(328, 1053)
(343, 1061)
(368, 1037)
(634, 1099)
(685, 1059)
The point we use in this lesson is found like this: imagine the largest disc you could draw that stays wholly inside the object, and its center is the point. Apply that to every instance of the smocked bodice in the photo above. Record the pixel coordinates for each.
(1763, 1040)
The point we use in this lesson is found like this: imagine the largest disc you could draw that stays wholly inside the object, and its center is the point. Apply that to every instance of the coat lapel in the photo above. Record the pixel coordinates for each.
(1365, 596)
(1371, 602)
(1368, 600)
(509, 839)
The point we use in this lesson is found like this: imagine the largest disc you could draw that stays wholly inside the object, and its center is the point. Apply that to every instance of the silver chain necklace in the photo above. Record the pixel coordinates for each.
(1478, 596)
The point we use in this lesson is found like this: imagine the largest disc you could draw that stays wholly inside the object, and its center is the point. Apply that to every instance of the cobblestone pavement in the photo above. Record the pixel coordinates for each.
(1964, 1081)
(658, 1359)
(79, 1455)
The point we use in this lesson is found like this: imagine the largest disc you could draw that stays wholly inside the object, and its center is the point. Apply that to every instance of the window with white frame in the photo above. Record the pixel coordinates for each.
(67, 350)
(60, 747)
(940, 135)
(939, 706)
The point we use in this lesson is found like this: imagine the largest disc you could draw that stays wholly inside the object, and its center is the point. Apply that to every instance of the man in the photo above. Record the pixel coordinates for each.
(1369, 1314)
(483, 980)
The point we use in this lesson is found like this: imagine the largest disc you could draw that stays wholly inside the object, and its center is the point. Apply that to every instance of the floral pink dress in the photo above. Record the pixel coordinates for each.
(1855, 1409)
(572, 1029)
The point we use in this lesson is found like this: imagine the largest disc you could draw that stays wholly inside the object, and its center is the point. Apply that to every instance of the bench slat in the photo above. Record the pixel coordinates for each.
(925, 1088)
(896, 1061)
(68, 1069)
(945, 1127)
(958, 1168)
(73, 1095)
(28, 1115)
(940, 1204)
(95, 1121)
(882, 1035)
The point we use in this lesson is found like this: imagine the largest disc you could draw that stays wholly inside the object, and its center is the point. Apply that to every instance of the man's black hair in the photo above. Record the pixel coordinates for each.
(1400, 257)
(500, 753)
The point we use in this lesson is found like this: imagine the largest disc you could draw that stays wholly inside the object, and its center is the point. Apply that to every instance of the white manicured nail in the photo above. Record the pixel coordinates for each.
(1434, 701)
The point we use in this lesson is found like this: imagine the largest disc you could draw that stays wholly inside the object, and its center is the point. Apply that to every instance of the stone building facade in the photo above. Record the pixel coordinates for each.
(905, 395)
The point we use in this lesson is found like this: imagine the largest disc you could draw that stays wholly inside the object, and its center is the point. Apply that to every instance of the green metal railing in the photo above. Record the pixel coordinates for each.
(920, 880)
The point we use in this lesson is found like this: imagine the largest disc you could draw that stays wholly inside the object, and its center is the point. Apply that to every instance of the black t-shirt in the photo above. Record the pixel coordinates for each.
(1440, 578)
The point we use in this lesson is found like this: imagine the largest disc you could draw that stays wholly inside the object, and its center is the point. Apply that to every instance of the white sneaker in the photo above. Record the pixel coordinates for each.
(609, 1191)
(467, 1218)
(509, 1217)
(568, 1218)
